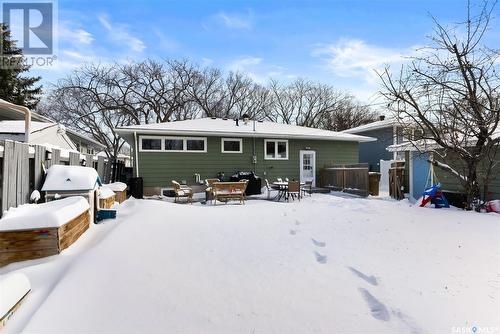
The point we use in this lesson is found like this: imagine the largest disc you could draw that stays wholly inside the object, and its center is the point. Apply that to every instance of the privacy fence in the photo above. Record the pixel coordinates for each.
(351, 178)
(22, 169)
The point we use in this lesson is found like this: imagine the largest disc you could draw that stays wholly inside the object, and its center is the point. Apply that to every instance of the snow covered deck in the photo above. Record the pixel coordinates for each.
(327, 264)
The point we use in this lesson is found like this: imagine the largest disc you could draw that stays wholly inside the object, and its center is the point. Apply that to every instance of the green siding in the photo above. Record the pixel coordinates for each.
(159, 168)
(450, 182)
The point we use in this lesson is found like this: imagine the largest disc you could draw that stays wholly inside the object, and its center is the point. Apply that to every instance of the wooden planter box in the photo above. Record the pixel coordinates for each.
(29, 244)
(121, 196)
(107, 203)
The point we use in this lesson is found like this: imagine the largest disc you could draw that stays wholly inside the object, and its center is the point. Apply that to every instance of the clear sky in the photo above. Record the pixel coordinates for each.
(335, 42)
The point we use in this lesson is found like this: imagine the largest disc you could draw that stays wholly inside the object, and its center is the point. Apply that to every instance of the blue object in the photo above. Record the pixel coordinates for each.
(105, 214)
(436, 196)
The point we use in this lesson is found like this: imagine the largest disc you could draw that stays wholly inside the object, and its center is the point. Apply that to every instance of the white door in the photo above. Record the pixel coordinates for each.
(308, 166)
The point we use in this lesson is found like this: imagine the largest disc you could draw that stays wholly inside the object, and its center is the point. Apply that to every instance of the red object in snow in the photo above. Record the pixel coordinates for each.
(493, 206)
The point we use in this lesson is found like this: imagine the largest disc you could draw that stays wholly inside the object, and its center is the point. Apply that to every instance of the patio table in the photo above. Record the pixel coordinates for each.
(282, 189)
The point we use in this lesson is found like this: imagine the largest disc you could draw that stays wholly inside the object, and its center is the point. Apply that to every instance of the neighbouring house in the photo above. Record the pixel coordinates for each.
(13, 124)
(386, 131)
(192, 150)
(421, 171)
(48, 134)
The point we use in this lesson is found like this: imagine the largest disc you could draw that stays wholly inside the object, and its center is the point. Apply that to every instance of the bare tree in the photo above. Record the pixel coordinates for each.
(450, 95)
(316, 105)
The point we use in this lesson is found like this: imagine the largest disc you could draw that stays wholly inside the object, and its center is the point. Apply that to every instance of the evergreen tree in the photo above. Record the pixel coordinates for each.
(15, 87)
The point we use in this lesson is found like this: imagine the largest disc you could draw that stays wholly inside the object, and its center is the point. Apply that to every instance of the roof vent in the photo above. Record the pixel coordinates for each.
(213, 117)
(246, 118)
(225, 118)
(260, 121)
(381, 117)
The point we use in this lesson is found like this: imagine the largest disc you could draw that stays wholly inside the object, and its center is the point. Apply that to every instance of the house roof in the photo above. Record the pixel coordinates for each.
(13, 112)
(228, 127)
(17, 127)
(386, 123)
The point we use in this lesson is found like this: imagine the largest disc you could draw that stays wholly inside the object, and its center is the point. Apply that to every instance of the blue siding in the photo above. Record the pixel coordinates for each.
(375, 151)
(420, 173)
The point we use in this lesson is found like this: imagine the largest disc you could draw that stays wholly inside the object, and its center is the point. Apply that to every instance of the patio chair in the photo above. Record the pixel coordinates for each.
(209, 194)
(279, 179)
(307, 188)
(286, 179)
(293, 190)
(269, 188)
(182, 191)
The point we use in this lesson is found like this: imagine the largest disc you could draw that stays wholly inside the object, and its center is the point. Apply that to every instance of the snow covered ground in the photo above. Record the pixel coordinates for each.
(329, 264)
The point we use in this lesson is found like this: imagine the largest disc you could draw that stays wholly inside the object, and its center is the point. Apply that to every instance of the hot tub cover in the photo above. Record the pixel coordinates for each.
(71, 178)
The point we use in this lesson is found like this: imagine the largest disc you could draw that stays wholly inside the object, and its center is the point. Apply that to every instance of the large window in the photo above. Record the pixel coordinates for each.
(231, 145)
(275, 149)
(150, 144)
(173, 144)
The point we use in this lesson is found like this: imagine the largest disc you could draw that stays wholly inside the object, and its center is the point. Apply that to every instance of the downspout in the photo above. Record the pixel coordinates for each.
(254, 156)
(136, 155)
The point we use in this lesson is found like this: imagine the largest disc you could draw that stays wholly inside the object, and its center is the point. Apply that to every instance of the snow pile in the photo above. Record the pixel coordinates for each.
(50, 214)
(326, 264)
(13, 288)
(68, 178)
(116, 186)
(105, 192)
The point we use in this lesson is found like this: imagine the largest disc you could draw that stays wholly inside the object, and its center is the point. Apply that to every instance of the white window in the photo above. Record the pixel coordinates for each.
(275, 149)
(231, 145)
(173, 144)
(150, 144)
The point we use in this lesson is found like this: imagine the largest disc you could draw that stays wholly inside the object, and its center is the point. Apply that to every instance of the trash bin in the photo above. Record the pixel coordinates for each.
(135, 187)
(373, 183)
(254, 186)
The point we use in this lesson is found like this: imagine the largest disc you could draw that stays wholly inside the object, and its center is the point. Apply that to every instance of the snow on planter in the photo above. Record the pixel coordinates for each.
(106, 197)
(13, 291)
(120, 190)
(33, 231)
(64, 181)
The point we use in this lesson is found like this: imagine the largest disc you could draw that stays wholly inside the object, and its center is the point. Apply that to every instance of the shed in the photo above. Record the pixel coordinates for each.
(65, 181)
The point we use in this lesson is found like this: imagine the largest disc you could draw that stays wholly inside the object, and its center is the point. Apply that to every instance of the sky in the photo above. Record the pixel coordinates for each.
(340, 43)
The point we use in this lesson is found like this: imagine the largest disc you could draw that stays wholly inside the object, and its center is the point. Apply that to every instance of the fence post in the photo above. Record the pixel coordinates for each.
(100, 167)
(74, 158)
(56, 157)
(38, 172)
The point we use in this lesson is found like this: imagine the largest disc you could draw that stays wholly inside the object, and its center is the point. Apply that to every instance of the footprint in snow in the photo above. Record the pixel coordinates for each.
(377, 309)
(293, 232)
(369, 279)
(318, 243)
(321, 258)
(297, 222)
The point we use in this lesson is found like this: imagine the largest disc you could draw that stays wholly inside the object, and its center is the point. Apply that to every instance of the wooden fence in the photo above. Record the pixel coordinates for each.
(22, 169)
(351, 179)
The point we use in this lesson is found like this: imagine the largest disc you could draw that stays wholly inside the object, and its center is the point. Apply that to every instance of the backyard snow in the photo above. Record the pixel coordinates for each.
(327, 264)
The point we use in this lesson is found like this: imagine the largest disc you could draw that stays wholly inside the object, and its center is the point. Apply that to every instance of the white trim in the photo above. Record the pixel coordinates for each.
(150, 137)
(184, 144)
(275, 149)
(231, 139)
(301, 152)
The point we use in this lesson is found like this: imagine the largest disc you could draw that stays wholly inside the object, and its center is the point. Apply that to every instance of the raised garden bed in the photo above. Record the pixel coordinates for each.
(35, 231)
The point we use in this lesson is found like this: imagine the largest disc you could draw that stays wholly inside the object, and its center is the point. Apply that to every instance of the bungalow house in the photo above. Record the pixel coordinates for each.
(193, 150)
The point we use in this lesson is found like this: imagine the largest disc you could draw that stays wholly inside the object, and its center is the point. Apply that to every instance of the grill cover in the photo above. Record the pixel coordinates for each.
(254, 182)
